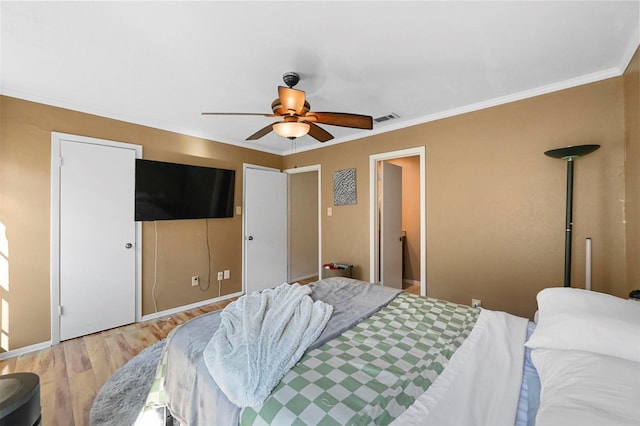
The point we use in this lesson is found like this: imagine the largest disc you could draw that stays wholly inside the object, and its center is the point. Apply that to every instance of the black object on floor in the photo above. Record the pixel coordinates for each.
(20, 399)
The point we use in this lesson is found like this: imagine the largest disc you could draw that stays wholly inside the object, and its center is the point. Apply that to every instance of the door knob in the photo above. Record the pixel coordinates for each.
(250, 238)
(128, 245)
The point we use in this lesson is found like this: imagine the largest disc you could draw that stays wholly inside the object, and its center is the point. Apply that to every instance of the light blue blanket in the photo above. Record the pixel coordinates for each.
(261, 336)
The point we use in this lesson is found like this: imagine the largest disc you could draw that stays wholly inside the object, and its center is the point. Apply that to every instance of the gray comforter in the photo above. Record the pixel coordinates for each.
(193, 396)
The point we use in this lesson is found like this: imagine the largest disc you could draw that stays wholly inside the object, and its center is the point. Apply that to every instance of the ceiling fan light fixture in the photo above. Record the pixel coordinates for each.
(291, 129)
(298, 119)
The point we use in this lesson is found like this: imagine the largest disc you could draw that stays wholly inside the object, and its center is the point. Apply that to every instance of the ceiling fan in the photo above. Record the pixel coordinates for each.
(297, 117)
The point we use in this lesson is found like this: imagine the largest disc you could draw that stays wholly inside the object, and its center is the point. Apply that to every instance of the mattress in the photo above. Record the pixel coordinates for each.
(193, 398)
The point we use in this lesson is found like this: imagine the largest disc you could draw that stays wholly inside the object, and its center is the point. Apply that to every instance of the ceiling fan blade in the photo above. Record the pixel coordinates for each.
(262, 132)
(318, 133)
(291, 99)
(240, 113)
(343, 119)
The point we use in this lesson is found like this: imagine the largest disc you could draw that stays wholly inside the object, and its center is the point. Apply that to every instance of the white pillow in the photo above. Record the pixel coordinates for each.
(584, 388)
(571, 318)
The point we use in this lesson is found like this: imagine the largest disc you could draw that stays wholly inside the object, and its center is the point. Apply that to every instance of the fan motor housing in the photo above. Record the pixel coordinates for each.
(291, 78)
(276, 107)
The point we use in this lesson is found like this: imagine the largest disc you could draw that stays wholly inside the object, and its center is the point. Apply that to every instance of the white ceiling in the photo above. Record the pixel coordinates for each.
(161, 64)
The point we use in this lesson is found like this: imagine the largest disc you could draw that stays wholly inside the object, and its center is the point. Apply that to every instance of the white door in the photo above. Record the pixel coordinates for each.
(97, 234)
(391, 226)
(265, 215)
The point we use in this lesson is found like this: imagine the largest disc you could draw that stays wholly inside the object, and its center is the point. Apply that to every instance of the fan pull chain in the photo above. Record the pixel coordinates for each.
(293, 145)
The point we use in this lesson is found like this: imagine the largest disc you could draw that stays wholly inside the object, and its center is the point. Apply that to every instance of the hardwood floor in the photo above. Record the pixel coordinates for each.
(72, 373)
(413, 288)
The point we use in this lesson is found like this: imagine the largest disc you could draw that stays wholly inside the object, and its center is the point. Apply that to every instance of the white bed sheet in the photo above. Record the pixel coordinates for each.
(482, 381)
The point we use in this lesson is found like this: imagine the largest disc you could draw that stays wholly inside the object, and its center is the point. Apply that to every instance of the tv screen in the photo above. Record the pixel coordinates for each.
(166, 191)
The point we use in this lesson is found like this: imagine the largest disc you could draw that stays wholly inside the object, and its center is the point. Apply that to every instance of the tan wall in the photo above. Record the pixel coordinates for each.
(495, 203)
(410, 215)
(303, 225)
(25, 146)
(632, 170)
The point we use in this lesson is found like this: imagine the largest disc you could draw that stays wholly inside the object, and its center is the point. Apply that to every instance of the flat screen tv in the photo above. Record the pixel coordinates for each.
(167, 191)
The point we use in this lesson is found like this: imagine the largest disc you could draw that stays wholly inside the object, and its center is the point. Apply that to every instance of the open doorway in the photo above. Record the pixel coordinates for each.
(412, 210)
(304, 223)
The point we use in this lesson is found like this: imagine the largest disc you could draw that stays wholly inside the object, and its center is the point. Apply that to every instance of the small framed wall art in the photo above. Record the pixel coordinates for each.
(344, 187)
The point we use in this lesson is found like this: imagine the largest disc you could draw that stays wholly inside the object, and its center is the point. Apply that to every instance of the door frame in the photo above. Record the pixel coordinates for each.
(373, 210)
(305, 169)
(56, 142)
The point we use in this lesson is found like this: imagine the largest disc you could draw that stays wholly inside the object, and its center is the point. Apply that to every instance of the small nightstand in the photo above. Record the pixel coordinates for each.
(337, 270)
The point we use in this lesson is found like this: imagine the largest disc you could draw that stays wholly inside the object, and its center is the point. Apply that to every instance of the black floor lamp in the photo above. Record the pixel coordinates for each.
(570, 153)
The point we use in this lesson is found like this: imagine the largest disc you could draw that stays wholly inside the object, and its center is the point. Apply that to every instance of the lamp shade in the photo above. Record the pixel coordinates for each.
(291, 129)
(571, 152)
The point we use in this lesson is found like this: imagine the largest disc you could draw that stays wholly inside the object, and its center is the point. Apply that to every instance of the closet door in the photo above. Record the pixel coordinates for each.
(391, 226)
(97, 261)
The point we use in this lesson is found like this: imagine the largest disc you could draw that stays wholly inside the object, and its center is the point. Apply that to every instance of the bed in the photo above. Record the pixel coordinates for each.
(389, 357)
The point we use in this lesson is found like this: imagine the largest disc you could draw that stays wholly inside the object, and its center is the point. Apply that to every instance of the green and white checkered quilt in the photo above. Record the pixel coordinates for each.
(373, 372)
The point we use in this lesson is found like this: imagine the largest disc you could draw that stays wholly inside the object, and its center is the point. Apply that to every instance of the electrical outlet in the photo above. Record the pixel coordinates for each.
(195, 280)
(219, 275)
(476, 303)
(227, 274)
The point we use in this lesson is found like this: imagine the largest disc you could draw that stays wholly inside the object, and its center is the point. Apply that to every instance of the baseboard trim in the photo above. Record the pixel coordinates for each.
(45, 345)
(411, 282)
(187, 307)
(25, 350)
(304, 277)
